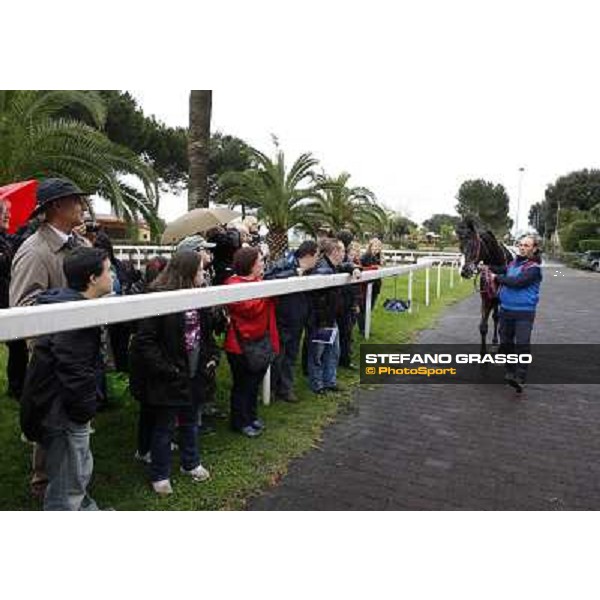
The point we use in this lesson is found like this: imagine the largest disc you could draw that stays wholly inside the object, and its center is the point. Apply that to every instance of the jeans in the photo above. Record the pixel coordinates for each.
(163, 432)
(322, 364)
(69, 465)
(515, 337)
(282, 371)
(244, 391)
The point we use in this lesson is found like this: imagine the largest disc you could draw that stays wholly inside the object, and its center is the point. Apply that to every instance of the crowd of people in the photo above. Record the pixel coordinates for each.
(171, 360)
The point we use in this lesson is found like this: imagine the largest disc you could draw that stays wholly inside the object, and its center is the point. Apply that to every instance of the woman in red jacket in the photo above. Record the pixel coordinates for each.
(250, 320)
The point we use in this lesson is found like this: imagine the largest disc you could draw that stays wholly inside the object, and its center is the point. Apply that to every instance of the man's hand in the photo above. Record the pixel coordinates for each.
(356, 275)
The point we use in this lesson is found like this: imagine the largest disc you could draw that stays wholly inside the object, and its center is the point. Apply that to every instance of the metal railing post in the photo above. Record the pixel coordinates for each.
(427, 286)
(368, 311)
(266, 388)
(439, 280)
(452, 274)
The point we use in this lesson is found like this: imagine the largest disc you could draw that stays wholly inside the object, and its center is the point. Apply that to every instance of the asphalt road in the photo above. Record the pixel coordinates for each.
(465, 447)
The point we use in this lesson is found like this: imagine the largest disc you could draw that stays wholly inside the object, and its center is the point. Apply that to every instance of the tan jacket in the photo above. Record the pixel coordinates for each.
(38, 266)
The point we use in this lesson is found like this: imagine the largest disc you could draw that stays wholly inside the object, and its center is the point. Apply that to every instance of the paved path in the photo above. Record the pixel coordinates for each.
(426, 447)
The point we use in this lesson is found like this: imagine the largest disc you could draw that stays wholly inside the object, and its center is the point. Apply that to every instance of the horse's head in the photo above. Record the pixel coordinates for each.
(469, 242)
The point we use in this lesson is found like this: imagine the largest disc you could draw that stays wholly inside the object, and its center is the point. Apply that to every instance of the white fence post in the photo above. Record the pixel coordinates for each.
(368, 310)
(266, 388)
(452, 275)
(410, 290)
(439, 280)
(427, 286)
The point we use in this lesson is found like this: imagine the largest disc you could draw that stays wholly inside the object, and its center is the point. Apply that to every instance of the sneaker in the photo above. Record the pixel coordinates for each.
(162, 488)
(143, 458)
(249, 431)
(515, 383)
(258, 424)
(199, 473)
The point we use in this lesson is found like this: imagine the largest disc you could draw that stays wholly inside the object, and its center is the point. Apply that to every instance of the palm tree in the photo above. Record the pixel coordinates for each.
(279, 194)
(339, 206)
(35, 142)
(198, 147)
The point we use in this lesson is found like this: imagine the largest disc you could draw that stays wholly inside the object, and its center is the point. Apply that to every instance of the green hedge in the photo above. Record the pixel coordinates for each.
(577, 232)
(585, 245)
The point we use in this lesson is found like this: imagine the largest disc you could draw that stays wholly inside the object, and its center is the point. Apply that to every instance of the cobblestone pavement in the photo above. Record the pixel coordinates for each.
(465, 447)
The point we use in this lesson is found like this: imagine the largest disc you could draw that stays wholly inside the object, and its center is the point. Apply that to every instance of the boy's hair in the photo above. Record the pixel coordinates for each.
(307, 248)
(80, 264)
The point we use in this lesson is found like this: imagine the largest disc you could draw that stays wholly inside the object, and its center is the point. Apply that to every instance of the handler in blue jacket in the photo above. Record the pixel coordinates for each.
(519, 296)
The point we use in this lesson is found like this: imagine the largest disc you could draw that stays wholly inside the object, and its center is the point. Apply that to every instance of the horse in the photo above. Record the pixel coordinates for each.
(480, 246)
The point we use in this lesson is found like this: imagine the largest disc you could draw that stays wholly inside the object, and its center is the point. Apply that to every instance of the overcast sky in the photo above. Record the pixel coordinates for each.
(415, 101)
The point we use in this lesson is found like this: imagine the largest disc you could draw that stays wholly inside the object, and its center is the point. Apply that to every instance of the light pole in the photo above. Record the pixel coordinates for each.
(521, 171)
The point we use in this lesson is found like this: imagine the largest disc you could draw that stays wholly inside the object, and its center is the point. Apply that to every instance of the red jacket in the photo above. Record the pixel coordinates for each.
(250, 319)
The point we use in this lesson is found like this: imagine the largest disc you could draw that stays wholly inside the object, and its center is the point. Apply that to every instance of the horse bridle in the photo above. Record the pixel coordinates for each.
(472, 257)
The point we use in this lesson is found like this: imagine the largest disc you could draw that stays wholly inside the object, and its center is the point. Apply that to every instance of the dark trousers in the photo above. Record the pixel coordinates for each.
(282, 370)
(244, 391)
(163, 422)
(346, 324)
(18, 357)
(119, 335)
(515, 338)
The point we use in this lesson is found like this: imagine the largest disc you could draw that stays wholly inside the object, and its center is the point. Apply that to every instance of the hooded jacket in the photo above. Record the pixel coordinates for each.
(61, 377)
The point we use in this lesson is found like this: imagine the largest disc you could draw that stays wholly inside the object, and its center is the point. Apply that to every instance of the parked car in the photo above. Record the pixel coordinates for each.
(590, 260)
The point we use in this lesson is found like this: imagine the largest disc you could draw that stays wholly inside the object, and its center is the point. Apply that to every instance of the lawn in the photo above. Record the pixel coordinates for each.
(240, 467)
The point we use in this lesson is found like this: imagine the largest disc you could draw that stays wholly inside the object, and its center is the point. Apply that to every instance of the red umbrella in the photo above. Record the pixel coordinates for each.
(22, 198)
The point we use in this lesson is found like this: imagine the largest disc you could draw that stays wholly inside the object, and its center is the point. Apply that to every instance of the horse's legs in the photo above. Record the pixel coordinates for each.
(483, 325)
(495, 317)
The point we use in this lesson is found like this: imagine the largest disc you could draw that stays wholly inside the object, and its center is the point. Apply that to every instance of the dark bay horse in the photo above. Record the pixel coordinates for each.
(480, 247)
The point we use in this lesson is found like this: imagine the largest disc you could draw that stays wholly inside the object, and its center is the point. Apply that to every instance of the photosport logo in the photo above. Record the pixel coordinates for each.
(428, 363)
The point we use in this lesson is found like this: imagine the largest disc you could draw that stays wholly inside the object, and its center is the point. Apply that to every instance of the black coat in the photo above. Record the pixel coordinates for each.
(327, 303)
(159, 362)
(62, 371)
(7, 250)
(292, 309)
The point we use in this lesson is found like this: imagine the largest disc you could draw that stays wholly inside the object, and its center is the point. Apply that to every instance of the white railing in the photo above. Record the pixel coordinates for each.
(141, 254)
(33, 321)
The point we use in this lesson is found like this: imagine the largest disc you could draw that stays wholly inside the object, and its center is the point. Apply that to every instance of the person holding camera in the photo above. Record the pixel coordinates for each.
(519, 296)
(227, 242)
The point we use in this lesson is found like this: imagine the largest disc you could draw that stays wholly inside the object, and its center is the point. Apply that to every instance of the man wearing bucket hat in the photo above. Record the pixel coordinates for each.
(38, 263)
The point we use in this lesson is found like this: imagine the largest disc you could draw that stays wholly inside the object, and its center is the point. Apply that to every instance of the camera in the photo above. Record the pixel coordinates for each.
(91, 226)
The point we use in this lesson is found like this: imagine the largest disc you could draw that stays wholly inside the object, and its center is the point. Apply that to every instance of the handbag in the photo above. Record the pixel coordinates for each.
(259, 353)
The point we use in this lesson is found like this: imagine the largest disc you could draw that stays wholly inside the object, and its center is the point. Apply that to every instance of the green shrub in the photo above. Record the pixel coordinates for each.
(585, 245)
(577, 232)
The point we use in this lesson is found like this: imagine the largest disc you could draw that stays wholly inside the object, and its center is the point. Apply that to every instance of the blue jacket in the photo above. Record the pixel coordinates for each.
(520, 291)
